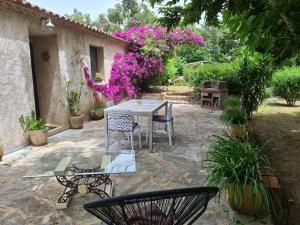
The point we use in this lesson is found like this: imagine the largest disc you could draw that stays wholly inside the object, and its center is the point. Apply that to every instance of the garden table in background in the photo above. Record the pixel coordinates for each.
(139, 107)
(83, 171)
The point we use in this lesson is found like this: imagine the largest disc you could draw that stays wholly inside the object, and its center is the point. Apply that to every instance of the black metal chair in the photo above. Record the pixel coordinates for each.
(167, 207)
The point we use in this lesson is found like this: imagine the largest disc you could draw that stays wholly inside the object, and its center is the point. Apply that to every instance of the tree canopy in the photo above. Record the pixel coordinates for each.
(118, 18)
(269, 26)
(220, 46)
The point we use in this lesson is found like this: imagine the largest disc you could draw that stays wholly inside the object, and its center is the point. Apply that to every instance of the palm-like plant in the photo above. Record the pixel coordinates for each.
(234, 166)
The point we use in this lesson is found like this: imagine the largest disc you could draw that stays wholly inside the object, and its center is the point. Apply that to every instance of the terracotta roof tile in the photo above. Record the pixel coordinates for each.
(12, 4)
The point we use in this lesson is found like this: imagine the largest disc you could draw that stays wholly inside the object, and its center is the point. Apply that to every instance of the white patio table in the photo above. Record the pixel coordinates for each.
(139, 107)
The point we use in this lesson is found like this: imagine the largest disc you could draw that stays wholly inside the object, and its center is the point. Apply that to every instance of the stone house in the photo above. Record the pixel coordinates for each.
(37, 59)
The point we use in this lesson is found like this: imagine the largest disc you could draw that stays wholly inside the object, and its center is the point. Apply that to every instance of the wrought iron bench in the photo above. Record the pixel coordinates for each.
(167, 207)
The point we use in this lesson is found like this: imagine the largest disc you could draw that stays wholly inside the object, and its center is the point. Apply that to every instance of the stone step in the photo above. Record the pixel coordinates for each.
(181, 99)
(180, 93)
(183, 102)
(178, 97)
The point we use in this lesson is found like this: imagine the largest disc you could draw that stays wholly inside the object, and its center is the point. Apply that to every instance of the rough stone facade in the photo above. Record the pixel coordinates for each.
(68, 50)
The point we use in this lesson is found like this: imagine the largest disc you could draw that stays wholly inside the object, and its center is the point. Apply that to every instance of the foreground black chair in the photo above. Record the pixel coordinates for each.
(168, 207)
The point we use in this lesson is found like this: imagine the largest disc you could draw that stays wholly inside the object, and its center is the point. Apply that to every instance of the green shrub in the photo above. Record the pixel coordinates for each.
(170, 69)
(174, 68)
(232, 165)
(31, 123)
(232, 102)
(234, 115)
(195, 74)
(154, 80)
(234, 84)
(179, 64)
(255, 73)
(180, 83)
(286, 83)
(269, 92)
(193, 53)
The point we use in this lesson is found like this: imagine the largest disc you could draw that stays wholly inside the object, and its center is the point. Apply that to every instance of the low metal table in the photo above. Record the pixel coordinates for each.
(83, 172)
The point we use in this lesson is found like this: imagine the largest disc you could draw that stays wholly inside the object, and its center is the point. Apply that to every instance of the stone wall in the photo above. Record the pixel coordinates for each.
(68, 50)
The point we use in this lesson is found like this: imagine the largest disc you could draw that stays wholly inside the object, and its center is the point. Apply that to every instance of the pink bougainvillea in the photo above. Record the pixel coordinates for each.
(149, 47)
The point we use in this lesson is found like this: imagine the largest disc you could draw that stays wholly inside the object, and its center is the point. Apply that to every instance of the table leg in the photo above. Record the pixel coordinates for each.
(65, 197)
(151, 134)
(106, 131)
(166, 113)
(83, 184)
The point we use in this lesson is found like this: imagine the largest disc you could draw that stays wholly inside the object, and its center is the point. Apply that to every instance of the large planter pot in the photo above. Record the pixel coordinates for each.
(238, 131)
(76, 121)
(38, 137)
(96, 115)
(246, 204)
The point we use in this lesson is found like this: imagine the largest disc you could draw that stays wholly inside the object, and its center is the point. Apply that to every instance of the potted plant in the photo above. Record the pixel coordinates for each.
(35, 129)
(97, 112)
(234, 167)
(73, 101)
(236, 119)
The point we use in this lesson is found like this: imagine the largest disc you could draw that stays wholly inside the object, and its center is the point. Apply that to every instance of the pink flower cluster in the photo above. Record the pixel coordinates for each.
(137, 36)
(140, 63)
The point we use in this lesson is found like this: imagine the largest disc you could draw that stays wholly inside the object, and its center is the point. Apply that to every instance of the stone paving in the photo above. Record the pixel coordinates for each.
(32, 200)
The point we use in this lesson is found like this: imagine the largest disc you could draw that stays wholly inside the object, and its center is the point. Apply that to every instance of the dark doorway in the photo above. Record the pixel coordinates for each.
(35, 90)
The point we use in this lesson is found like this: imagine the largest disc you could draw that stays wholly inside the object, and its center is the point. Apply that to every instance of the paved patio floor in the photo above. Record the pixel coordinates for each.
(32, 200)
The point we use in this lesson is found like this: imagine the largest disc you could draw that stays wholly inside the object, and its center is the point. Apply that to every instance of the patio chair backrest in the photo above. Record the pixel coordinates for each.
(120, 120)
(167, 207)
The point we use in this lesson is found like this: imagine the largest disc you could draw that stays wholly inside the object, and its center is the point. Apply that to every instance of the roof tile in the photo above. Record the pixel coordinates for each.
(37, 9)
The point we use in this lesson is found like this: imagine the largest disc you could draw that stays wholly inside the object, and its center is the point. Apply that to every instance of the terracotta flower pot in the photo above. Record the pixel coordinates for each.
(96, 115)
(246, 203)
(38, 137)
(76, 121)
(238, 131)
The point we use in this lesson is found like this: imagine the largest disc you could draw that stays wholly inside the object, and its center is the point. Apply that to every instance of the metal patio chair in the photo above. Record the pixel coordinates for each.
(165, 119)
(167, 207)
(122, 121)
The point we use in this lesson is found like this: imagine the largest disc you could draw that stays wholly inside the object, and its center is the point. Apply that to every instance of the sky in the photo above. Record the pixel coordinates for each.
(92, 7)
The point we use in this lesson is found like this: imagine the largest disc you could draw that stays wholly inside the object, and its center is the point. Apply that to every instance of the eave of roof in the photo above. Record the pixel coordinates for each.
(27, 8)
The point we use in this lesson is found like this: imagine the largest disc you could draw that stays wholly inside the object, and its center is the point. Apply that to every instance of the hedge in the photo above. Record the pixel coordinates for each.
(286, 84)
(195, 74)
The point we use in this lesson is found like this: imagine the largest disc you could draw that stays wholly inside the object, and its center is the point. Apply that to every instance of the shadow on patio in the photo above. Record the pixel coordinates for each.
(32, 200)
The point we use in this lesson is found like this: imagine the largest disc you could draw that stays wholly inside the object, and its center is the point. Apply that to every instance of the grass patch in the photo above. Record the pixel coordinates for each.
(277, 127)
